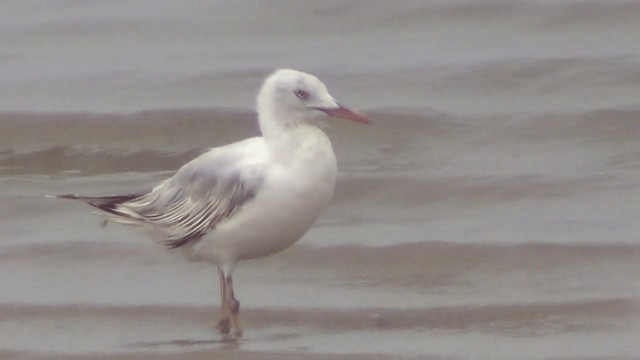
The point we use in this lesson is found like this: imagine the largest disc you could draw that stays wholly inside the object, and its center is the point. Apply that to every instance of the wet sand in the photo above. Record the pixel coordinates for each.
(422, 300)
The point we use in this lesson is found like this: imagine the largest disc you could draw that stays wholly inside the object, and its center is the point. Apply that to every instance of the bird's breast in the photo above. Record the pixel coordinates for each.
(287, 204)
(307, 183)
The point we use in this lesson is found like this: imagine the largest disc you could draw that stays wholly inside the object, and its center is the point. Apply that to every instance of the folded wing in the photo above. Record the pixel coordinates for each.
(201, 195)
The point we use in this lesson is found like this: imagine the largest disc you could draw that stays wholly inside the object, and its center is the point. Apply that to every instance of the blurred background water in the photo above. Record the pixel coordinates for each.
(490, 211)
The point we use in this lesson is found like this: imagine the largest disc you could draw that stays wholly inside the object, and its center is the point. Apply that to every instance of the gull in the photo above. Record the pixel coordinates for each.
(247, 199)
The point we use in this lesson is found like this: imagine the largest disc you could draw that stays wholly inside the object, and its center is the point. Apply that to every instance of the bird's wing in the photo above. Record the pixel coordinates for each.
(202, 194)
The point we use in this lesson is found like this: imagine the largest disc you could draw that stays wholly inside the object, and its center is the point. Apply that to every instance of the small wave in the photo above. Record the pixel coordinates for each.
(430, 259)
(605, 125)
(466, 191)
(160, 130)
(87, 143)
(559, 316)
(61, 160)
(538, 76)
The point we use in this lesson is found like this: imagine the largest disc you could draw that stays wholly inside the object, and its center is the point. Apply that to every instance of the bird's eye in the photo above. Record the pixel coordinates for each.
(301, 94)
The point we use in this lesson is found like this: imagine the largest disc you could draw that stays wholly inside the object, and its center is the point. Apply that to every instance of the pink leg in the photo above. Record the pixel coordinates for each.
(224, 313)
(233, 306)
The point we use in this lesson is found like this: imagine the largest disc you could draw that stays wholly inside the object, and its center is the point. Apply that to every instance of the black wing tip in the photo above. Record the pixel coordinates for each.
(65, 196)
(104, 203)
(174, 244)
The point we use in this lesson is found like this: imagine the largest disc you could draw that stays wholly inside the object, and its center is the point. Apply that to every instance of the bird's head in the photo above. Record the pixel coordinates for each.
(297, 97)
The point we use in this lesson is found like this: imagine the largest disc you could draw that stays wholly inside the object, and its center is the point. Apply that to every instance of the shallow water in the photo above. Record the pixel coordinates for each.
(490, 210)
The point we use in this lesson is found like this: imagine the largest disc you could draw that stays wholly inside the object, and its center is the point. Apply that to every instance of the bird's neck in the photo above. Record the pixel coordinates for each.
(294, 137)
(273, 122)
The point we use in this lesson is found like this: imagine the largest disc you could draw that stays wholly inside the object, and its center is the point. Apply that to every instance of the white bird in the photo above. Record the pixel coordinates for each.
(251, 198)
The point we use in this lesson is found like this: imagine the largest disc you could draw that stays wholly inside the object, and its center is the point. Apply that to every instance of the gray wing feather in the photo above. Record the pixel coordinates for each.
(201, 195)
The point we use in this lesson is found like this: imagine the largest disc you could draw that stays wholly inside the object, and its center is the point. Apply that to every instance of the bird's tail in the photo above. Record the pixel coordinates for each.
(107, 204)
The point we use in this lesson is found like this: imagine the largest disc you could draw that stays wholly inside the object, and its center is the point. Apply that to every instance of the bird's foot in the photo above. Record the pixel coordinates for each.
(224, 326)
(237, 329)
(234, 309)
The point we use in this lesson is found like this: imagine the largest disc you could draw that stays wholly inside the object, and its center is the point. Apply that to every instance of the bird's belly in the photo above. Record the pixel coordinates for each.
(276, 219)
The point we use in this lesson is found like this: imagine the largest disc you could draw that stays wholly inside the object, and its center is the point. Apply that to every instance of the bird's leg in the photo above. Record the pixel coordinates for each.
(224, 314)
(234, 306)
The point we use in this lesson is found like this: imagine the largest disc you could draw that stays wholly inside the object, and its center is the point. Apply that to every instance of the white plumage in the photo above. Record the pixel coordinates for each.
(250, 198)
